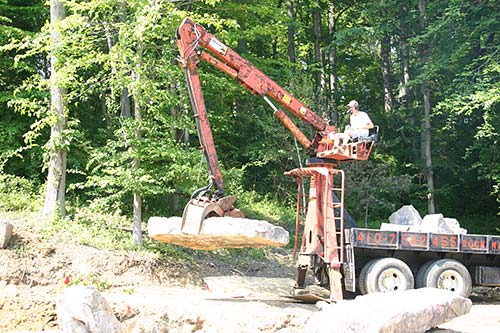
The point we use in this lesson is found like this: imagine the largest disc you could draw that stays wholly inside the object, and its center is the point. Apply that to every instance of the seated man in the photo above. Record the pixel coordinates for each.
(360, 124)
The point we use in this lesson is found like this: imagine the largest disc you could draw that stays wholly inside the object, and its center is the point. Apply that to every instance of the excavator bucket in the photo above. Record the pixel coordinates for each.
(198, 209)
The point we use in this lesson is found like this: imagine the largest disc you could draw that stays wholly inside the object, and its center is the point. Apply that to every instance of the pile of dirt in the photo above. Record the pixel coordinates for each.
(34, 270)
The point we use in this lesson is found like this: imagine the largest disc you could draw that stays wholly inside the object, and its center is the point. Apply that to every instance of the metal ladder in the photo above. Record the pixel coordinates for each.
(337, 187)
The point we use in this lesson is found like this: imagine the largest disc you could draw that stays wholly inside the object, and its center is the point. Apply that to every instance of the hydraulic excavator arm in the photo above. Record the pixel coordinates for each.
(196, 44)
(322, 247)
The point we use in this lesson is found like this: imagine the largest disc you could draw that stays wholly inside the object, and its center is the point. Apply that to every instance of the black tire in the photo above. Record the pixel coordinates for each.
(448, 274)
(421, 274)
(385, 274)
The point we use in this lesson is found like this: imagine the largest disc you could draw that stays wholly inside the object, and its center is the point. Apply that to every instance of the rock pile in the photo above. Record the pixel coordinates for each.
(407, 218)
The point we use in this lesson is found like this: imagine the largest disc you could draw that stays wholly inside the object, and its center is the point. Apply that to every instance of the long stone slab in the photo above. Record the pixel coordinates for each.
(219, 232)
(409, 311)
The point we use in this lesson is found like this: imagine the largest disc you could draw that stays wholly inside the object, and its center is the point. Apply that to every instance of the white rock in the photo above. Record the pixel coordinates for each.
(454, 226)
(439, 224)
(394, 227)
(9, 290)
(218, 232)
(5, 233)
(406, 215)
(82, 309)
(434, 223)
(409, 311)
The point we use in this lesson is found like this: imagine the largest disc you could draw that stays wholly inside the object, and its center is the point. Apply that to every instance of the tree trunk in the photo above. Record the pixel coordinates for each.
(56, 177)
(405, 91)
(125, 109)
(385, 49)
(242, 44)
(425, 123)
(177, 135)
(137, 229)
(318, 58)
(291, 31)
(333, 110)
(104, 107)
(426, 142)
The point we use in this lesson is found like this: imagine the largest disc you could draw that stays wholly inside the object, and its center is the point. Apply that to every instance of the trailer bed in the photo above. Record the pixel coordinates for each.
(424, 241)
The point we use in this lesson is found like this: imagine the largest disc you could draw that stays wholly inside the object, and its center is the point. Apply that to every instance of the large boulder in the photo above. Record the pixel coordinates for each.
(437, 223)
(406, 215)
(5, 233)
(409, 311)
(82, 309)
(407, 218)
(218, 232)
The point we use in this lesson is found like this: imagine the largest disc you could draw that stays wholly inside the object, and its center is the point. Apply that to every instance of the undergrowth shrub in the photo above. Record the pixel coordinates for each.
(103, 230)
(17, 194)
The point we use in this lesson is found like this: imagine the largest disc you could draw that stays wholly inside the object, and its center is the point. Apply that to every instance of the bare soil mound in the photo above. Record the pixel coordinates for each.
(34, 269)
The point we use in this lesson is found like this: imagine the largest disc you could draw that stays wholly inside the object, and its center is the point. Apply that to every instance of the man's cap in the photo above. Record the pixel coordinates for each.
(353, 103)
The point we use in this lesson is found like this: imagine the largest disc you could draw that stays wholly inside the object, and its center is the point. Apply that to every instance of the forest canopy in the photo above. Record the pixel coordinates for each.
(95, 112)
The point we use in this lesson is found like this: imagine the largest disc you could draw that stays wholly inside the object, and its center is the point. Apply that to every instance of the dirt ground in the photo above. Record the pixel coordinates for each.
(34, 270)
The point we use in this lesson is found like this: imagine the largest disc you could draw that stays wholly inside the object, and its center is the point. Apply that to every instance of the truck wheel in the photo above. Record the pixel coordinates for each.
(385, 274)
(448, 274)
(421, 274)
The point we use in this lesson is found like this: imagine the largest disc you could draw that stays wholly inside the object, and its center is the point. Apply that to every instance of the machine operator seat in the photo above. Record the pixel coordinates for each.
(372, 135)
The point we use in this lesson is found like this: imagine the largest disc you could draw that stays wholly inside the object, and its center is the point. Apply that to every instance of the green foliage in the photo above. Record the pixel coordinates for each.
(17, 193)
(116, 51)
(165, 167)
(374, 189)
(241, 257)
(266, 208)
(18, 23)
(92, 228)
(480, 225)
(90, 280)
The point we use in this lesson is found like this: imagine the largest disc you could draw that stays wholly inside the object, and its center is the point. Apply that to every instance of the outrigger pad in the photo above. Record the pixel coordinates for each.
(218, 233)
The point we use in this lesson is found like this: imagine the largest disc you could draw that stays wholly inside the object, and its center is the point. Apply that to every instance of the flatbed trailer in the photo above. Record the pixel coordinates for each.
(384, 260)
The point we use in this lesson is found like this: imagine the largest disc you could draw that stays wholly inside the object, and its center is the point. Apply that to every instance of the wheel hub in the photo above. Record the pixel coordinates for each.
(390, 280)
(450, 280)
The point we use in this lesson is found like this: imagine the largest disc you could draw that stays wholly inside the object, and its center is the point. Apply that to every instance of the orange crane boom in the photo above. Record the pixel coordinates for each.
(323, 230)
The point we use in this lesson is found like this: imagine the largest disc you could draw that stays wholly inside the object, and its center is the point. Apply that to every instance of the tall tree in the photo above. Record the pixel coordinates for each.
(385, 51)
(334, 14)
(405, 95)
(290, 31)
(57, 150)
(426, 115)
(319, 60)
(138, 100)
